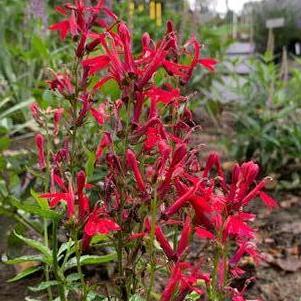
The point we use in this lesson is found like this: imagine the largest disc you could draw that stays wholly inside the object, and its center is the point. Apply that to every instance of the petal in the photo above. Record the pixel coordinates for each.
(268, 200)
(202, 233)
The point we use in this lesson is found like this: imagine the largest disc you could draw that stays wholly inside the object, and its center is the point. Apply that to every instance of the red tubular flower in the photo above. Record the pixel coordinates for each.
(83, 200)
(56, 120)
(40, 142)
(80, 50)
(208, 63)
(81, 18)
(152, 139)
(165, 96)
(253, 193)
(132, 163)
(97, 224)
(103, 143)
(165, 245)
(63, 27)
(246, 247)
(214, 160)
(178, 155)
(57, 197)
(62, 83)
(150, 123)
(99, 115)
(96, 64)
(35, 112)
(203, 233)
(81, 181)
(182, 200)
(171, 284)
(236, 226)
(184, 239)
(125, 37)
(155, 63)
(269, 201)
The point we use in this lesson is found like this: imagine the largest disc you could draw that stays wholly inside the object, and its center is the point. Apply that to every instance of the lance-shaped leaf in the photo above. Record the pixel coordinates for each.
(90, 260)
(25, 273)
(37, 246)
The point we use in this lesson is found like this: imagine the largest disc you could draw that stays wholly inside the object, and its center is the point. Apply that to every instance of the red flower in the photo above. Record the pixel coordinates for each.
(236, 225)
(40, 143)
(208, 63)
(184, 239)
(171, 284)
(165, 96)
(81, 18)
(63, 27)
(96, 64)
(203, 233)
(83, 200)
(182, 200)
(103, 143)
(132, 163)
(62, 83)
(165, 245)
(99, 115)
(269, 201)
(71, 197)
(98, 223)
(57, 197)
(56, 120)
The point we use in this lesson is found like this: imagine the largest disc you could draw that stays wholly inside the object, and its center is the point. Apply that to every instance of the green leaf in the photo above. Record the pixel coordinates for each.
(89, 167)
(73, 277)
(4, 143)
(42, 286)
(34, 209)
(39, 47)
(65, 246)
(99, 238)
(22, 259)
(90, 260)
(42, 202)
(47, 96)
(111, 89)
(93, 296)
(2, 163)
(37, 246)
(25, 273)
(17, 107)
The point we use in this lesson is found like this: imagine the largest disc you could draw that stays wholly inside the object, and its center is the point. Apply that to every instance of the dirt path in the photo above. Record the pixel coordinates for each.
(279, 275)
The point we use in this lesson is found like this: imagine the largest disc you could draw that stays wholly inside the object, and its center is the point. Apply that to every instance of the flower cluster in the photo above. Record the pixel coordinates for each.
(155, 185)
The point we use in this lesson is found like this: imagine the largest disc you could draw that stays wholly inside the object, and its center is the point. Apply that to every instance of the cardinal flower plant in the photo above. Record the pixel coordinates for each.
(159, 223)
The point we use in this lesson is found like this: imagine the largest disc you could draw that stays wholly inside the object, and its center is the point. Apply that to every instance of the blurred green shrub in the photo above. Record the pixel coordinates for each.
(26, 49)
(290, 10)
(267, 121)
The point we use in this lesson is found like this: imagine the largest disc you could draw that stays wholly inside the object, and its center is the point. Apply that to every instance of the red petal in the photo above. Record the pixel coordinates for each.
(269, 201)
(208, 63)
(62, 27)
(202, 233)
(96, 63)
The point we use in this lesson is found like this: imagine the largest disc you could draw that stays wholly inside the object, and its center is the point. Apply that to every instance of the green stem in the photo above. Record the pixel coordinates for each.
(151, 247)
(46, 241)
(55, 262)
(79, 268)
(123, 288)
(26, 223)
(74, 117)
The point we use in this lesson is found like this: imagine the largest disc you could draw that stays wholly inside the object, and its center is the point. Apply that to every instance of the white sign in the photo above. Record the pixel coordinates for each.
(274, 23)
